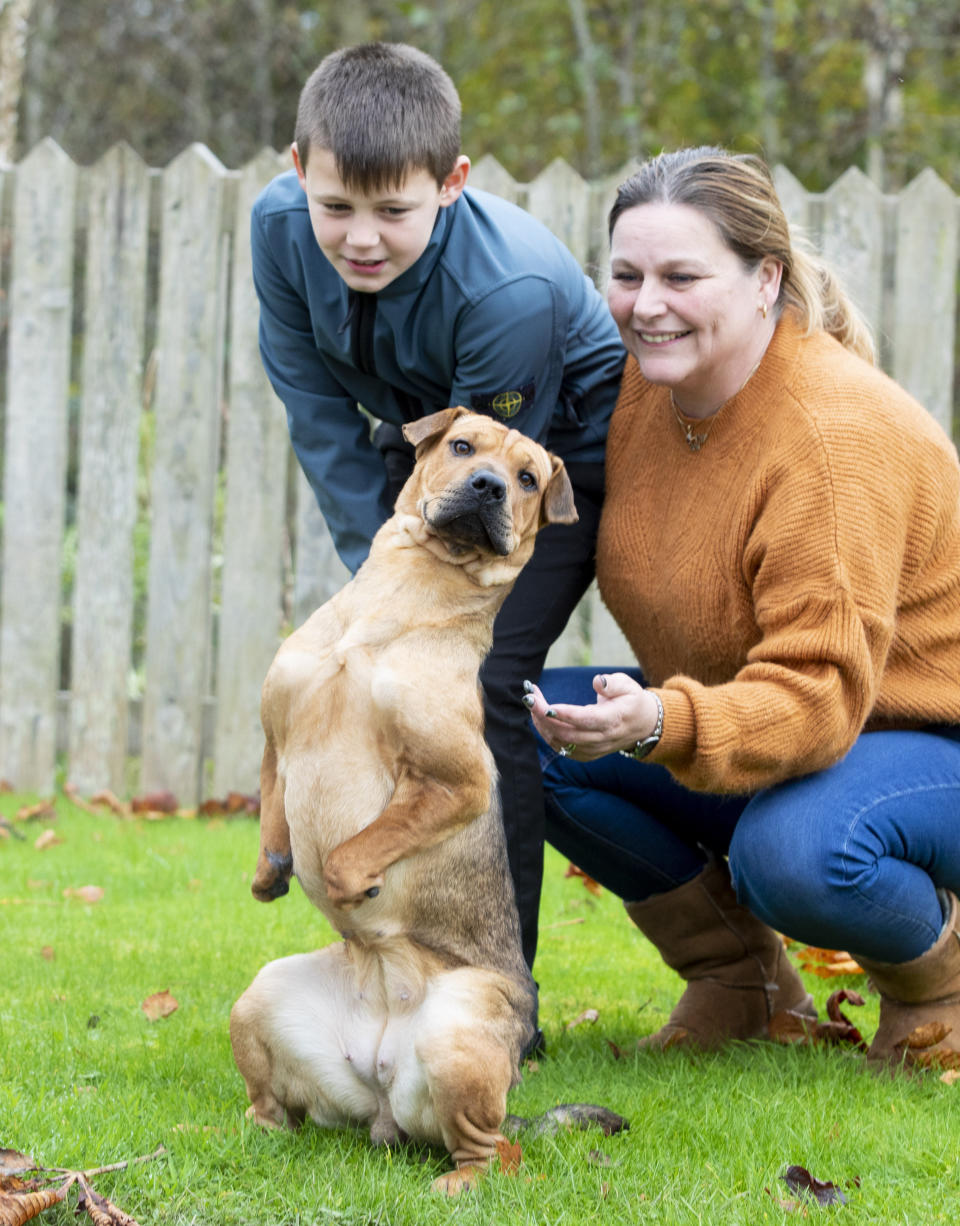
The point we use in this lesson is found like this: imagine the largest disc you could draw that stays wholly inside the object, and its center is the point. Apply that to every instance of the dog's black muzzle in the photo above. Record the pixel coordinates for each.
(477, 513)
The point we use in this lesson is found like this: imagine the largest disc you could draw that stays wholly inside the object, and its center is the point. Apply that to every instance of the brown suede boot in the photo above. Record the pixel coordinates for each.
(737, 970)
(912, 994)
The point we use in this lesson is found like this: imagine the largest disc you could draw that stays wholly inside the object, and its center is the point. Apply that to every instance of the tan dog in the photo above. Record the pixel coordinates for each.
(378, 792)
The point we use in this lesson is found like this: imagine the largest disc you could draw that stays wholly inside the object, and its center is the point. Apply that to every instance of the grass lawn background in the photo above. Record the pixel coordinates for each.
(86, 1079)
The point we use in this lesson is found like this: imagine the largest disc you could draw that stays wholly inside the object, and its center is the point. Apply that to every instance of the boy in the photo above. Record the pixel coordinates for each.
(383, 283)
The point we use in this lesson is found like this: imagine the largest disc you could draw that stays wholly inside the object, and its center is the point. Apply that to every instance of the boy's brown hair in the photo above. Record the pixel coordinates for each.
(382, 109)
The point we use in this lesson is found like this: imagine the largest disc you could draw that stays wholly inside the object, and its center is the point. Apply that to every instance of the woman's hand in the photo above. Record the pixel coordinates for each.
(624, 713)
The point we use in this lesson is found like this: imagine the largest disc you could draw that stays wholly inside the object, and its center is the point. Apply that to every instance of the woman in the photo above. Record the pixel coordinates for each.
(780, 543)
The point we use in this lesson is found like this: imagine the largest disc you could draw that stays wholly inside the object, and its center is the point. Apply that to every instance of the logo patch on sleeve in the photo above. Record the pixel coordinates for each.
(504, 404)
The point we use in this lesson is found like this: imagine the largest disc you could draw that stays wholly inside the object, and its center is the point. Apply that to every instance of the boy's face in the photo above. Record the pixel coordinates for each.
(371, 239)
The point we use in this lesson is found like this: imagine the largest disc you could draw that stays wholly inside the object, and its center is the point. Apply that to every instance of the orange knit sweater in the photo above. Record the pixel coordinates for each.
(795, 580)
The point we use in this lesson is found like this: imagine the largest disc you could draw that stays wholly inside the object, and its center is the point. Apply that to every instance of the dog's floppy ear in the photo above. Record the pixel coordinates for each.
(558, 505)
(432, 426)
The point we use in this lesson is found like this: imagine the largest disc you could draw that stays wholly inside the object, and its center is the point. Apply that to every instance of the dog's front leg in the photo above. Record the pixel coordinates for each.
(275, 860)
(422, 812)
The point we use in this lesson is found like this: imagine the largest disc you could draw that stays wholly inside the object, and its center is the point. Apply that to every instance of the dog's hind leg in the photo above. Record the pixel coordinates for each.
(275, 860)
(467, 1039)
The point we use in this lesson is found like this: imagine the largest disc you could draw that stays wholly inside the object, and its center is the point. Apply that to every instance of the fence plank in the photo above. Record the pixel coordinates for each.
(118, 208)
(559, 198)
(852, 241)
(925, 298)
(185, 463)
(38, 374)
(490, 176)
(794, 199)
(319, 573)
(256, 474)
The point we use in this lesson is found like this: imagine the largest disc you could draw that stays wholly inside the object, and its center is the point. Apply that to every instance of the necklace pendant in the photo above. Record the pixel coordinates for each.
(694, 441)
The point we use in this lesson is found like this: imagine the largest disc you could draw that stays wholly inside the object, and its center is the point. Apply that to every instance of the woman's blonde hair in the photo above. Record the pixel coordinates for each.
(736, 191)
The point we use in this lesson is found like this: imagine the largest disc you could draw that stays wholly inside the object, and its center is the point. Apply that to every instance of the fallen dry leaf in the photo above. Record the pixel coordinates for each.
(951, 1076)
(71, 793)
(799, 1180)
(790, 1027)
(827, 963)
(588, 882)
(86, 893)
(16, 1208)
(588, 1015)
(154, 802)
(234, 804)
(48, 838)
(596, 1157)
(510, 1155)
(47, 953)
(106, 797)
(924, 1036)
(43, 808)
(12, 1162)
(160, 1004)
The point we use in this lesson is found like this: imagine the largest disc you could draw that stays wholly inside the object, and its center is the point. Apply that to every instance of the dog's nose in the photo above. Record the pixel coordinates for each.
(488, 485)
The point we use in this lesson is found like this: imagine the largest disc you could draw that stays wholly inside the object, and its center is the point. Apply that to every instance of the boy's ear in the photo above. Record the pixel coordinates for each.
(455, 181)
(301, 169)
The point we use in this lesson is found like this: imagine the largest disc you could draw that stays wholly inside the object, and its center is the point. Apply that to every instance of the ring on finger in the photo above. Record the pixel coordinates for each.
(567, 750)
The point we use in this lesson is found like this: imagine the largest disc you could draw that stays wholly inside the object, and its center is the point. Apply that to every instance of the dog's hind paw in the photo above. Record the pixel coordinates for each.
(461, 1179)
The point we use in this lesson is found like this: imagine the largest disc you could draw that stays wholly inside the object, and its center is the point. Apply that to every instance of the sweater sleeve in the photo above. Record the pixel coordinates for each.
(822, 559)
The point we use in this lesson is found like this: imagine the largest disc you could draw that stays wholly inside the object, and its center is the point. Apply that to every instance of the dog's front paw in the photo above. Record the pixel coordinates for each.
(349, 884)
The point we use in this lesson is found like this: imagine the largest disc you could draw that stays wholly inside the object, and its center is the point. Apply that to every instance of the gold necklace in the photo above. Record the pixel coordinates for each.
(695, 441)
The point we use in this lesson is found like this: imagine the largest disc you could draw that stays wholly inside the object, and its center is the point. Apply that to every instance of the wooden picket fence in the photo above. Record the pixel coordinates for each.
(132, 378)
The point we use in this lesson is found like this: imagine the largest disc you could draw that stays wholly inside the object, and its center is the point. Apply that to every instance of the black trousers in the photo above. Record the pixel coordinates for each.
(532, 617)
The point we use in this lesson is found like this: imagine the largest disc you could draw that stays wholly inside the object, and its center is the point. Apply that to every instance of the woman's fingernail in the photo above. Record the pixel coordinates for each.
(528, 701)
(550, 713)
(528, 687)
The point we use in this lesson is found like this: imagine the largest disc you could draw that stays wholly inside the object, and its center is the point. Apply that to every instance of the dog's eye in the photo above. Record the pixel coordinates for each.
(527, 480)
(460, 446)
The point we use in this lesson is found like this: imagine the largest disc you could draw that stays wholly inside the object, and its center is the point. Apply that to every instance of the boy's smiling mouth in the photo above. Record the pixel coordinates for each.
(365, 266)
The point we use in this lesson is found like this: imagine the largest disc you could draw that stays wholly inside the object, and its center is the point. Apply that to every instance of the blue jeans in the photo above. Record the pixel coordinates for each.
(846, 858)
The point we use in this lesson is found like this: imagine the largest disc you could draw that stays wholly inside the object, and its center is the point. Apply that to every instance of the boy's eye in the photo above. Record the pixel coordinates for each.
(396, 211)
(527, 480)
(330, 207)
(460, 446)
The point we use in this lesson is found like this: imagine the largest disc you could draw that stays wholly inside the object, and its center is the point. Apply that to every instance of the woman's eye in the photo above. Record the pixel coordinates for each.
(527, 480)
(624, 276)
(460, 446)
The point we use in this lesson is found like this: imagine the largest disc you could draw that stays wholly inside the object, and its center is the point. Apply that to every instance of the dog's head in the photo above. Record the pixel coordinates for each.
(482, 490)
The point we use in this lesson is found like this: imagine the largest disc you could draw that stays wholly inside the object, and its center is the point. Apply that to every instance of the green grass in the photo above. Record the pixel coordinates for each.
(85, 1079)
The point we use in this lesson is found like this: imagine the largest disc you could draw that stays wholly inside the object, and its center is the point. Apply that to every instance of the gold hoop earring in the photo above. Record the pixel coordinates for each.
(763, 309)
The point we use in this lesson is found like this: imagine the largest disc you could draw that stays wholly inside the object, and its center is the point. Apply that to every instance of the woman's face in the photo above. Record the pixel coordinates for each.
(687, 308)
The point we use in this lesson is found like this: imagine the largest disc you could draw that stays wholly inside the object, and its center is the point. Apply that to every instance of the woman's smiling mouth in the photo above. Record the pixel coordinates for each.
(661, 338)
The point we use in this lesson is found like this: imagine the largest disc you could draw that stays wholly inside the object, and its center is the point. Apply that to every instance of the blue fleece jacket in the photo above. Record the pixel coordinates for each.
(496, 314)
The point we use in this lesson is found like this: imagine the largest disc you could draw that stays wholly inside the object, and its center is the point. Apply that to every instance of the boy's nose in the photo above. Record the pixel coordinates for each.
(362, 236)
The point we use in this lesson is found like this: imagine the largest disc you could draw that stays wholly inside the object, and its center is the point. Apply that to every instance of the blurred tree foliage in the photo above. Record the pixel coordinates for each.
(817, 84)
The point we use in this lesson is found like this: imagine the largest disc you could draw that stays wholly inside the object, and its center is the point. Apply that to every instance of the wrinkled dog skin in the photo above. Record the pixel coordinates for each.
(378, 791)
